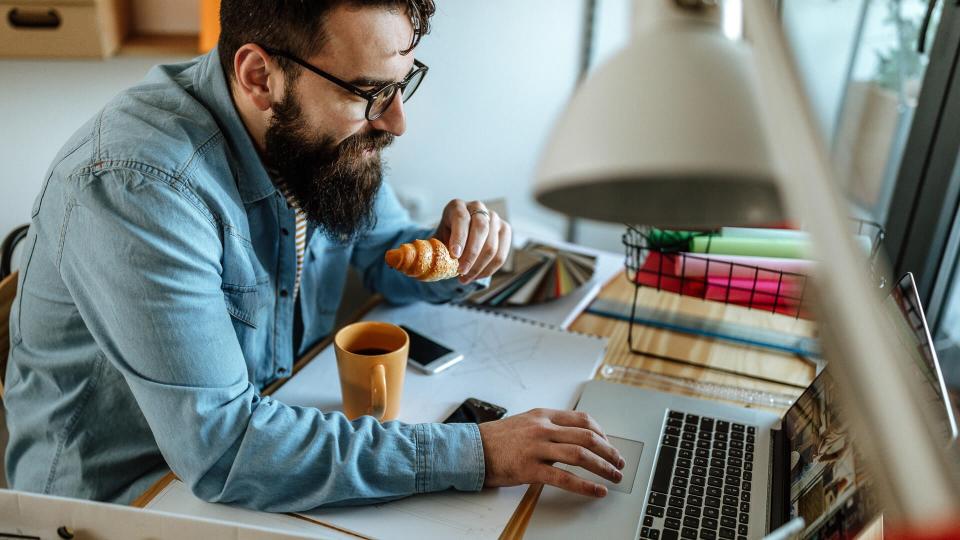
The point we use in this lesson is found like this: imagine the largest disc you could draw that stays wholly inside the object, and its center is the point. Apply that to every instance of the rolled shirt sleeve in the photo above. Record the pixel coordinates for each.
(151, 295)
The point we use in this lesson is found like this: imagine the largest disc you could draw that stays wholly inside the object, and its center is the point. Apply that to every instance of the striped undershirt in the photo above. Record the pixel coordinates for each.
(300, 234)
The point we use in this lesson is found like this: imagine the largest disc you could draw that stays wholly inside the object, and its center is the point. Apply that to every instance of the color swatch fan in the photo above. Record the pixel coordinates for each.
(539, 274)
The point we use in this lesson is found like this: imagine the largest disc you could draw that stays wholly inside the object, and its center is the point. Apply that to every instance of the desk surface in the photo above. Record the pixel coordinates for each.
(790, 369)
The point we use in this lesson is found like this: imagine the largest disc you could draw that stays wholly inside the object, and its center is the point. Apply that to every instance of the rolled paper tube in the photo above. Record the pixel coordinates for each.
(752, 247)
(666, 239)
(662, 271)
(730, 266)
(748, 297)
(865, 242)
(750, 232)
(789, 286)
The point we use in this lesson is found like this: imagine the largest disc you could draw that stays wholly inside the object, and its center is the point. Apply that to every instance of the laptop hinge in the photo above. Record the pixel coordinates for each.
(779, 480)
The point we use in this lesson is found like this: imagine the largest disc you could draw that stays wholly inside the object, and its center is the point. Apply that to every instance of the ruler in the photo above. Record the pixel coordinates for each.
(763, 338)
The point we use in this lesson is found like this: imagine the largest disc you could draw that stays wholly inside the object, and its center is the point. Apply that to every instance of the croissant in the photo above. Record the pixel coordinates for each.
(426, 260)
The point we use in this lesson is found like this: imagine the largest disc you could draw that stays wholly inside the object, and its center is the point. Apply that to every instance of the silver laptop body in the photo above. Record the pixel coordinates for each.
(807, 467)
(634, 419)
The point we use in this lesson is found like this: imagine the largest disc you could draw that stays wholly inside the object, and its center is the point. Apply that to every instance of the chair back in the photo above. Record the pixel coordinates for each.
(6, 249)
(8, 291)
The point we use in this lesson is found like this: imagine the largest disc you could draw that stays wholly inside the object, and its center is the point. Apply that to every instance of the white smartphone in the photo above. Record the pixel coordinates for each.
(427, 355)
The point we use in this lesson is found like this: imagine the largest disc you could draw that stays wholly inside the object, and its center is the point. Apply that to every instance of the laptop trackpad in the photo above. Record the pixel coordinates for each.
(630, 450)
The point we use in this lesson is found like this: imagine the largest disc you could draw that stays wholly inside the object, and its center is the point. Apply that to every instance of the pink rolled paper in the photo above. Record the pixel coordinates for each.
(788, 286)
(701, 265)
(762, 295)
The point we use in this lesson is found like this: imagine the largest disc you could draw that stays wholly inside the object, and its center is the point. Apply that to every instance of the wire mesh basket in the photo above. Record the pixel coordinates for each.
(658, 259)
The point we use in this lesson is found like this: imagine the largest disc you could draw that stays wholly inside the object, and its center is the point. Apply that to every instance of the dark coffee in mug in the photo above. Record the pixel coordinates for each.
(371, 351)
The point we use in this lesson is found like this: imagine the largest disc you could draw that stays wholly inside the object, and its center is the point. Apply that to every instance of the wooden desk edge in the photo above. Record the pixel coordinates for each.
(151, 493)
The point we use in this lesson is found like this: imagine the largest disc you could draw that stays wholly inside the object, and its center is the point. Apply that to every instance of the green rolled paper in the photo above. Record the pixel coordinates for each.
(863, 241)
(783, 248)
(666, 239)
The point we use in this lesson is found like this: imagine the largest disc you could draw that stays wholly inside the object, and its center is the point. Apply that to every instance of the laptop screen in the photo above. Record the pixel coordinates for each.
(923, 363)
(827, 476)
(829, 485)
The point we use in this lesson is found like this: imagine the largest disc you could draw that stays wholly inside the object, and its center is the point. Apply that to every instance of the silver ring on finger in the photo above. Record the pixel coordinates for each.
(479, 211)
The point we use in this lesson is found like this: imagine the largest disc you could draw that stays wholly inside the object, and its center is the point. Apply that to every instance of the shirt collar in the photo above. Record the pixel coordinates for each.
(283, 188)
(253, 181)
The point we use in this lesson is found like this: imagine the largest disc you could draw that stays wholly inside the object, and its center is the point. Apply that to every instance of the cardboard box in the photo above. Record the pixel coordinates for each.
(62, 28)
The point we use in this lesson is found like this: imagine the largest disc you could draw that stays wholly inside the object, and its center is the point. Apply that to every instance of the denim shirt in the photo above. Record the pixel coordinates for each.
(155, 302)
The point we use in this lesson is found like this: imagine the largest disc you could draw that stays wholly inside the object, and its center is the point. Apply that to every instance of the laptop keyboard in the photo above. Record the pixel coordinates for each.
(702, 481)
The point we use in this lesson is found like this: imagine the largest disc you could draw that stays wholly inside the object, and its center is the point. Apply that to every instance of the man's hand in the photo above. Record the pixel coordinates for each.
(522, 450)
(475, 235)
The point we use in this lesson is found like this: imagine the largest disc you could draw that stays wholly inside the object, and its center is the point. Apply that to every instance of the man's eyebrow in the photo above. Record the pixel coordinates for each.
(369, 81)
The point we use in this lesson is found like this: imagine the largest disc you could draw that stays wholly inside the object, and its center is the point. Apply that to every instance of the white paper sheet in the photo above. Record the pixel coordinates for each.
(507, 362)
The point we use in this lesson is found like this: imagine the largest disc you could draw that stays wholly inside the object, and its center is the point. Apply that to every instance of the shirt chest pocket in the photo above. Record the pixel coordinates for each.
(246, 285)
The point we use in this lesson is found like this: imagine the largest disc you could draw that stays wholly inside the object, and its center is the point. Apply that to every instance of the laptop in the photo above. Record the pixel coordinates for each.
(699, 469)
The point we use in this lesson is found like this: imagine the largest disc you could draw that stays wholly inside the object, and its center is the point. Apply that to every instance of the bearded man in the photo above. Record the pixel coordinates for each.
(192, 239)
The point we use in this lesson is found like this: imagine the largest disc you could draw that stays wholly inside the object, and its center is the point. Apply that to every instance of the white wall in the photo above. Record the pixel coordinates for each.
(500, 71)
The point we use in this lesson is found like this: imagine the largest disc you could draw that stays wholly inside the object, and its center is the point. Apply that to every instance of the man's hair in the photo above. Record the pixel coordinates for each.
(296, 26)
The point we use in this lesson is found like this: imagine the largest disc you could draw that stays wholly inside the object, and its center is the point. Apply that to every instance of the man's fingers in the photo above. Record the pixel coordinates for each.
(591, 441)
(490, 249)
(576, 419)
(457, 218)
(574, 454)
(479, 223)
(504, 238)
(570, 482)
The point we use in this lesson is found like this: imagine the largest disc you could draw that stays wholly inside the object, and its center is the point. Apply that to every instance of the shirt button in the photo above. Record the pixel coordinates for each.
(284, 293)
(285, 231)
(282, 370)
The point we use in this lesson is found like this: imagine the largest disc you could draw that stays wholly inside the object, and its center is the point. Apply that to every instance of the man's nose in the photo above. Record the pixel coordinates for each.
(393, 120)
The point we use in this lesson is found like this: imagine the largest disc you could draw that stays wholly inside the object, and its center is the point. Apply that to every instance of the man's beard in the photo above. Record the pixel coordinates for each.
(334, 185)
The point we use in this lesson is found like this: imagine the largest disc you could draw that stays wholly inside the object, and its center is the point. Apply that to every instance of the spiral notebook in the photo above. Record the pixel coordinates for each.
(514, 363)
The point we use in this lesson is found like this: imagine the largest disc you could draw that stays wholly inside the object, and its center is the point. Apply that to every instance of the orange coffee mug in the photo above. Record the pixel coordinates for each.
(371, 359)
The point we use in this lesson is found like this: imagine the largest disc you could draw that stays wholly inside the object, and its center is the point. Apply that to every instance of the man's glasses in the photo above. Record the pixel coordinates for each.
(378, 99)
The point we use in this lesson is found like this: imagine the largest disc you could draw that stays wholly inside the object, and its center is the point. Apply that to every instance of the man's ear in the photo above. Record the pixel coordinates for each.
(259, 78)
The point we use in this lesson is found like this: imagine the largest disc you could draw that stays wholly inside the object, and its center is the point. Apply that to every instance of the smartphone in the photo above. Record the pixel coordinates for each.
(427, 355)
(476, 411)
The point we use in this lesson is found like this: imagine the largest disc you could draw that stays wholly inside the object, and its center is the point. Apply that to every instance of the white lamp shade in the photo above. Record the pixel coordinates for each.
(666, 133)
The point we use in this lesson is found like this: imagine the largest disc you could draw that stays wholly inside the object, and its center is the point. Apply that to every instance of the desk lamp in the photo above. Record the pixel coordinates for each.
(686, 128)
(673, 114)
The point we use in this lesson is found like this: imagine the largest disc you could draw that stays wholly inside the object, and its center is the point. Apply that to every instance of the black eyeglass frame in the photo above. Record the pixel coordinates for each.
(369, 95)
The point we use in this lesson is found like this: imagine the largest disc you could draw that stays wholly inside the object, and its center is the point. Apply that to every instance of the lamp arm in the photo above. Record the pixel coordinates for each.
(914, 476)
